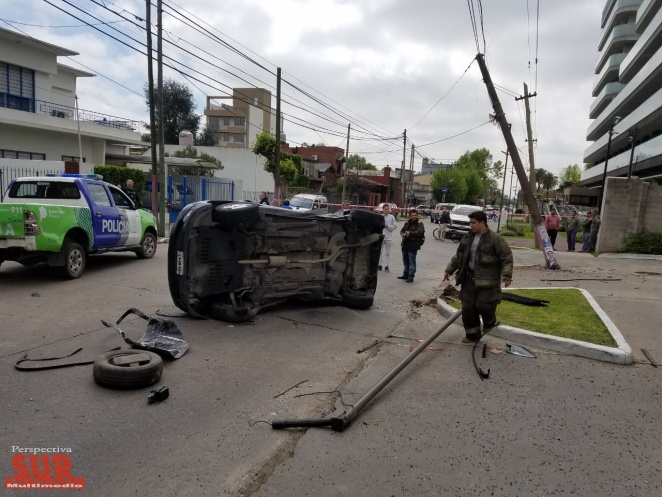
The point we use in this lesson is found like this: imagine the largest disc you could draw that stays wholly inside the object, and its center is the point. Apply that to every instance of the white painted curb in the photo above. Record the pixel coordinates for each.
(621, 354)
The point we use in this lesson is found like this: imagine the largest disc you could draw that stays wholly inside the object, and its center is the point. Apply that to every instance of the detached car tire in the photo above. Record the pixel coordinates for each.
(74, 260)
(127, 369)
(235, 212)
(357, 300)
(147, 247)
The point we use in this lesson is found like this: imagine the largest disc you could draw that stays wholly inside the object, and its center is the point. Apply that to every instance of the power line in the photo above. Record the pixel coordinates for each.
(49, 26)
(443, 96)
(454, 136)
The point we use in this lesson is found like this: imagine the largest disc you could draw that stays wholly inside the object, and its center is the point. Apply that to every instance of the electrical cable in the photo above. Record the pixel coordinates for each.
(443, 96)
(454, 136)
(48, 26)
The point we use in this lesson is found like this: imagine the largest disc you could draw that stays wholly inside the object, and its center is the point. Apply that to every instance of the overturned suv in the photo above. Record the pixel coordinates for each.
(229, 260)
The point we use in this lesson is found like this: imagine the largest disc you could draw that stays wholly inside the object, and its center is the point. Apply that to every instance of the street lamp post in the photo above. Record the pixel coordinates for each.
(632, 138)
(604, 174)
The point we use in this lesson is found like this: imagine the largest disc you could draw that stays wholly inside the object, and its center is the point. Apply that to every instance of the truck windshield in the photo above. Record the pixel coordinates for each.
(44, 189)
(301, 202)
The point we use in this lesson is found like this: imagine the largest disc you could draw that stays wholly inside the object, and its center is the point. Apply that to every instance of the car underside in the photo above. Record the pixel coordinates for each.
(229, 260)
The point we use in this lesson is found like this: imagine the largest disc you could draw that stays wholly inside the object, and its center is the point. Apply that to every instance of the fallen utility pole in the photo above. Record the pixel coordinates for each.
(529, 197)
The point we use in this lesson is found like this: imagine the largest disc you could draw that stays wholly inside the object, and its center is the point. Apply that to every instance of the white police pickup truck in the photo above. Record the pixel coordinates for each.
(62, 219)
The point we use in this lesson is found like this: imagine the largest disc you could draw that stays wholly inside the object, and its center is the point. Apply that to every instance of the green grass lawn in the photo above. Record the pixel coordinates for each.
(568, 315)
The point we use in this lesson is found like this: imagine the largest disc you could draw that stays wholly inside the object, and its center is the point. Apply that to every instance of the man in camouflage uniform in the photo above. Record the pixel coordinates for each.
(483, 260)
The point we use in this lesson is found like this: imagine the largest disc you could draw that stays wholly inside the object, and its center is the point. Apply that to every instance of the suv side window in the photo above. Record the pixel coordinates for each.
(120, 199)
(99, 194)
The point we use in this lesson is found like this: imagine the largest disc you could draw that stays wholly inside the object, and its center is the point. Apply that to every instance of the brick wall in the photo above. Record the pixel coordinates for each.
(630, 205)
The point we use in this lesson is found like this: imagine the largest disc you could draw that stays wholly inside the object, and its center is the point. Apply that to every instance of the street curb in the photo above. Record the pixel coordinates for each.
(621, 354)
(643, 257)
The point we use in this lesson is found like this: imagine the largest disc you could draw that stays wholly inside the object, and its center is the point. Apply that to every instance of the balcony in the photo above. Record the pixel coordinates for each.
(609, 73)
(619, 38)
(623, 9)
(647, 45)
(646, 83)
(606, 11)
(647, 118)
(643, 151)
(604, 98)
(645, 14)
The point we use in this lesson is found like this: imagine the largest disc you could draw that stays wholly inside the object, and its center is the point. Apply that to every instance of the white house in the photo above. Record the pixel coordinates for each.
(38, 117)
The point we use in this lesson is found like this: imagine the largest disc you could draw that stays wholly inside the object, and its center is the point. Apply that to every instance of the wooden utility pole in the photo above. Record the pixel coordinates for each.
(159, 77)
(411, 172)
(530, 198)
(402, 169)
(344, 167)
(277, 155)
(529, 133)
(152, 117)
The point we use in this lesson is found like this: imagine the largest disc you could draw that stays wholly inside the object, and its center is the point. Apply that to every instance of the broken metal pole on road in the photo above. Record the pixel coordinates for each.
(341, 422)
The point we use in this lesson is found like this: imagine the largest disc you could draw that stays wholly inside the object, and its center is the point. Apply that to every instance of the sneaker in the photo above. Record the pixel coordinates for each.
(386, 269)
(379, 268)
(403, 277)
(410, 280)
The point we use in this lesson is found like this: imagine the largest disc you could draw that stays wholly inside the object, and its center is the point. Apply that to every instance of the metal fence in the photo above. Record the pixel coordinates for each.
(8, 174)
(184, 190)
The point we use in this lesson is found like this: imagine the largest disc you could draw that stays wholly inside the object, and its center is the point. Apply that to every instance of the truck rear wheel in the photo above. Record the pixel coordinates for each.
(74, 260)
(147, 247)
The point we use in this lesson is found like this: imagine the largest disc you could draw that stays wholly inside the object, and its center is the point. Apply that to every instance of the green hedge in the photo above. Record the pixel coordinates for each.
(117, 175)
(645, 242)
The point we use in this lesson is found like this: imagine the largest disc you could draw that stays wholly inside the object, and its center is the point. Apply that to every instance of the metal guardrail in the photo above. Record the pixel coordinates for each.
(66, 112)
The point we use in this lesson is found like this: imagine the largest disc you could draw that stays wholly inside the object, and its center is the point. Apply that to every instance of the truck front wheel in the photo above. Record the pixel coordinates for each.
(74, 260)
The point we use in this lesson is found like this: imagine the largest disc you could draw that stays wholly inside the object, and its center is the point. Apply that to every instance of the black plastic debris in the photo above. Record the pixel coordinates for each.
(519, 351)
(162, 336)
(519, 299)
(158, 394)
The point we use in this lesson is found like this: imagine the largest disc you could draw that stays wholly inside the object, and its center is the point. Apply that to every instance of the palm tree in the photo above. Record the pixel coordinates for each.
(549, 181)
(540, 174)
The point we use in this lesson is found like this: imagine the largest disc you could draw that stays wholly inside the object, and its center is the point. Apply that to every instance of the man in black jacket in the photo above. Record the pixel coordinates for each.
(413, 236)
(482, 262)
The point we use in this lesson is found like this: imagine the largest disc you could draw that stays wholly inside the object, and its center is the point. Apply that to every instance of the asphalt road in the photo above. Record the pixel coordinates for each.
(555, 425)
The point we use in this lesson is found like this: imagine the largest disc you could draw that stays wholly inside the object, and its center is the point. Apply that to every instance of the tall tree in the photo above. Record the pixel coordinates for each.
(549, 181)
(570, 175)
(356, 161)
(290, 164)
(178, 111)
(540, 175)
(206, 138)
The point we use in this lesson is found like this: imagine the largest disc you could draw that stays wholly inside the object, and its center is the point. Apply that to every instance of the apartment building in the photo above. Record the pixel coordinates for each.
(627, 110)
(238, 119)
(39, 122)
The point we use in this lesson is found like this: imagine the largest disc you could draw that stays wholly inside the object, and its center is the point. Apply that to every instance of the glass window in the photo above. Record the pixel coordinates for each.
(120, 199)
(214, 122)
(44, 189)
(225, 137)
(98, 194)
(226, 121)
(239, 121)
(239, 138)
(71, 158)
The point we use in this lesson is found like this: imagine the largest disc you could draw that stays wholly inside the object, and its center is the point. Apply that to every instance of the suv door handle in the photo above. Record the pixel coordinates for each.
(98, 214)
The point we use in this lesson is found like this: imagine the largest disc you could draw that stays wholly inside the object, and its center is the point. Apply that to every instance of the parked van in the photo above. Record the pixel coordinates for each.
(308, 202)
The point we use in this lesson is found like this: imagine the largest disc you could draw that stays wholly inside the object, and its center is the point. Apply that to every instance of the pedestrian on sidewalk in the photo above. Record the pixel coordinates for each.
(413, 237)
(595, 228)
(586, 230)
(552, 223)
(389, 227)
(571, 230)
(483, 260)
(444, 221)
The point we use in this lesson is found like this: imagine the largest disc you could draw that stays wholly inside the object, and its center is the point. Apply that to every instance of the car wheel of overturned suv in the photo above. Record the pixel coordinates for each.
(230, 260)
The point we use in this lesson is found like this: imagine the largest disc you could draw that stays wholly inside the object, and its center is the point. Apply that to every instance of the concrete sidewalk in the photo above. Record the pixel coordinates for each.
(629, 289)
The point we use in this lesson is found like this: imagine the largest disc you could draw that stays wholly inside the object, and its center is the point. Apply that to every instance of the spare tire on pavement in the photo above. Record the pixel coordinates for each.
(127, 369)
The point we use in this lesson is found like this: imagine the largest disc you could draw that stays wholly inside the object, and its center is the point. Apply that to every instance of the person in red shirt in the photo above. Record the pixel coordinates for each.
(552, 223)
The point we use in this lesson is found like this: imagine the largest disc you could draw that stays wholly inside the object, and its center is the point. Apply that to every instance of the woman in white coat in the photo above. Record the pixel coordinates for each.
(389, 228)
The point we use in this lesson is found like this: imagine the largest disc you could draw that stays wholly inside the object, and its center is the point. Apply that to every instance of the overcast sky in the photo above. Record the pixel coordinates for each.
(380, 63)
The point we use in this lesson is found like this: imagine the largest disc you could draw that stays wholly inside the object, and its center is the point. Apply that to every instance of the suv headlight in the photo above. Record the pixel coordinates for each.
(30, 224)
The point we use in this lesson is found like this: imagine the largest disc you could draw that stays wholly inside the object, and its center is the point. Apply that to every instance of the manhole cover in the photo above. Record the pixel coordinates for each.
(171, 312)
(648, 273)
